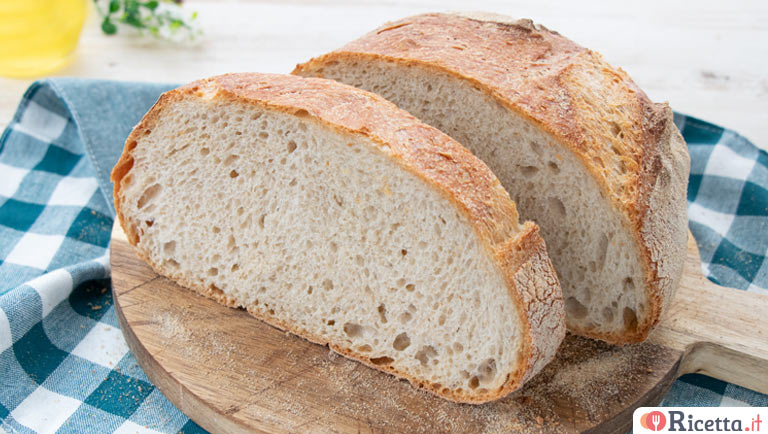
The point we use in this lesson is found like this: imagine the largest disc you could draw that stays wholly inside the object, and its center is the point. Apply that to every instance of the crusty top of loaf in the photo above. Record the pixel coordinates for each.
(569, 91)
(430, 155)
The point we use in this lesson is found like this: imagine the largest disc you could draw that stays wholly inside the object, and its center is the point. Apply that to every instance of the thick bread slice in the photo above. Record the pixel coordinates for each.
(580, 148)
(327, 211)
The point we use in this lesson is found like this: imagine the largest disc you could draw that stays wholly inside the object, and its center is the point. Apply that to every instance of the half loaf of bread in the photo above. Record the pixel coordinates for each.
(580, 148)
(328, 212)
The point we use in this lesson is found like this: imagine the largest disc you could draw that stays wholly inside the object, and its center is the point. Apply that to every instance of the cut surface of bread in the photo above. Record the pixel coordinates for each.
(581, 150)
(326, 211)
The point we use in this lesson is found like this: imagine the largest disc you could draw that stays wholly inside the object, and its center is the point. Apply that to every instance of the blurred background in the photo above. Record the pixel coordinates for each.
(707, 58)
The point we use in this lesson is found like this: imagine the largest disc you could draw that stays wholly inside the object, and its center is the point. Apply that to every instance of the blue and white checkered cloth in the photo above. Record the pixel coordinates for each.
(64, 366)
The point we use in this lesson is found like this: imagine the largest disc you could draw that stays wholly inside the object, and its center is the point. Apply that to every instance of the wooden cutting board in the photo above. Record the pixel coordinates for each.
(232, 373)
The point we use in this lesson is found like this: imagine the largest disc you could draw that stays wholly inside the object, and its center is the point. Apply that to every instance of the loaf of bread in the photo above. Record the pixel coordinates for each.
(326, 211)
(580, 148)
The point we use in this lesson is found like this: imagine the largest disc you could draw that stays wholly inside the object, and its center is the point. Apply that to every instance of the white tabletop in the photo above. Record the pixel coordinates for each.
(707, 58)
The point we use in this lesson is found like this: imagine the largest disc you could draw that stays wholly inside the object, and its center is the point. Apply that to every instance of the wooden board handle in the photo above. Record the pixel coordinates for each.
(723, 331)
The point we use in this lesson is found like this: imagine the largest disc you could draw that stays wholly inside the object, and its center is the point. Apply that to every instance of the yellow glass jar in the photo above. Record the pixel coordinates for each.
(38, 36)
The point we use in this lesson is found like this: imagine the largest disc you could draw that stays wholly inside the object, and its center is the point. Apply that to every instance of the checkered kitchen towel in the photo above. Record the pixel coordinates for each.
(64, 365)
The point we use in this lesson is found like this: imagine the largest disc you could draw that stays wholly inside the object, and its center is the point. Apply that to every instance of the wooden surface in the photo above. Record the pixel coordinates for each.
(232, 373)
(708, 58)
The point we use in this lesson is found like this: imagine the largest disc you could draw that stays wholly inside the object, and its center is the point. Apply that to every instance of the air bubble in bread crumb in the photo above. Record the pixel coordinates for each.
(382, 361)
(402, 341)
(574, 308)
(150, 193)
(630, 319)
(382, 309)
(353, 330)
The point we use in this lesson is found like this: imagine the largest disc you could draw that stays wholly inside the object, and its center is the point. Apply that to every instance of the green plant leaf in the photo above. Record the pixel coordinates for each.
(131, 7)
(147, 16)
(108, 27)
(133, 20)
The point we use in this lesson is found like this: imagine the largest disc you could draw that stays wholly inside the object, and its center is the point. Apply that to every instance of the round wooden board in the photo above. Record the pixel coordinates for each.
(232, 373)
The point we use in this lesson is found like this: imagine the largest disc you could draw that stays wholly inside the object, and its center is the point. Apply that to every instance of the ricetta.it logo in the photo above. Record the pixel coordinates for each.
(700, 419)
(653, 420)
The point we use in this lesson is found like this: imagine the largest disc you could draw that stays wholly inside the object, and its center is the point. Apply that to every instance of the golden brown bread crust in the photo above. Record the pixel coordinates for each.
(424, 151)
(628, 143)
